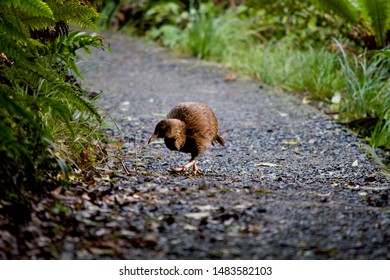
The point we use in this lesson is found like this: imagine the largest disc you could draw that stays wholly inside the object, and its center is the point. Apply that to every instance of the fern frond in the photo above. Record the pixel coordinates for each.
(344, 8)
(75, 98)
(10, 29)
(11, 19)
(80, 15)
(36, 8)
(378, 13)
(56, 109)
(12, 104)
(13, 51)
(38, 23)
(66, 47)
(77, 40)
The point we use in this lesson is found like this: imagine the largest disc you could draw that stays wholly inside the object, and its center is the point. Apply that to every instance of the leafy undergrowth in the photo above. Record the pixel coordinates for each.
(50, 125)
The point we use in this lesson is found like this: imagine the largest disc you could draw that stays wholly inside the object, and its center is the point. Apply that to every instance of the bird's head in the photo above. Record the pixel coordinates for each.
(168, 128)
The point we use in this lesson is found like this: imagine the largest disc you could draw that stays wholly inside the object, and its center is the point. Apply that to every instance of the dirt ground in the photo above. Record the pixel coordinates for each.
(291, 183)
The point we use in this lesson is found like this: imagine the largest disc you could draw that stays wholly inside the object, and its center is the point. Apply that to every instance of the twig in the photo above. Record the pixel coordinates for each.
(135, 148)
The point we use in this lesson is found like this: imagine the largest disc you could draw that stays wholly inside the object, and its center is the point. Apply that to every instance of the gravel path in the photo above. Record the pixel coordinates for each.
(290, 183)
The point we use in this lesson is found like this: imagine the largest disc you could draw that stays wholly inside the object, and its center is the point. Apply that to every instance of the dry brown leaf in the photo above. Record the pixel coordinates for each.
(230, 77)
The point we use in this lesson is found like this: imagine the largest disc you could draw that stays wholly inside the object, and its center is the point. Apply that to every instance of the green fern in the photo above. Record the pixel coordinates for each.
(344, 8)
(66, 47)
(36, 8)
(40, 104)
(57, 110)
(370, 17)
(80, 15)
(378, 12)
(9, 30)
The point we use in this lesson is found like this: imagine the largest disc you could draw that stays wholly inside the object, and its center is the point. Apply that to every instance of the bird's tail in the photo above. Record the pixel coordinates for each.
(220, 140)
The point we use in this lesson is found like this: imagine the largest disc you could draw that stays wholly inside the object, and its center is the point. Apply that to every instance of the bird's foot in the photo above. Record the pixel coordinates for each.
(185, 167)
(197, 170)
(178, 169)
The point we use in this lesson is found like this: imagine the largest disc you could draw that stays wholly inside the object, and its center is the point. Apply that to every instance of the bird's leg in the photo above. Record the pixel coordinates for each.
(184, 167)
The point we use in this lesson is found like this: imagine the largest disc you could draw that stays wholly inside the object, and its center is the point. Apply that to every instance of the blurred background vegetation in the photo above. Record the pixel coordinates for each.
(332, 52)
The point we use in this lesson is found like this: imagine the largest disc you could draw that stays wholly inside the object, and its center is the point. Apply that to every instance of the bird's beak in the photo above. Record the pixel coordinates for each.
(153, 138)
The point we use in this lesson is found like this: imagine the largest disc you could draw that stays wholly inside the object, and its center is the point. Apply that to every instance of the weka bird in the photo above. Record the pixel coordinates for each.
(190, 127)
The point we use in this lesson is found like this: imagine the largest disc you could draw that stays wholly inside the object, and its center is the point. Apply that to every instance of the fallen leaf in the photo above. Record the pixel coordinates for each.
(302, 244)
(231, 77)
(124, 106)
(85, 196)
(107, 200)
(189, 227)
(306, 100)
(159, 114)
(131, 118)
(243, 206)
(282, 114)
(197, 215)
(268, 164)
(101, 232)
(206, 207)
(370, 179)
(262, 191)
(292, 142)
(352, 185)
(336, 98)
(106, 178)
(98, 251)
(250, 229)
(320, 194)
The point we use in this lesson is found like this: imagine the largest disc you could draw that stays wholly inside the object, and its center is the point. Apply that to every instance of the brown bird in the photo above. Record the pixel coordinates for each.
(190, 127)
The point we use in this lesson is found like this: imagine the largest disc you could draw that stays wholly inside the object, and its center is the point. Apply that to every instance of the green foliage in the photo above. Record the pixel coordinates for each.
(378, 16)
(315, 72)
(47, 119)
(163, 12)
(270, 20)
(298, 20)
(370, 19)
(211, 36)
(35, 8)
(344, 8)
(140, 14)
(208, 33)
(366, 104)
